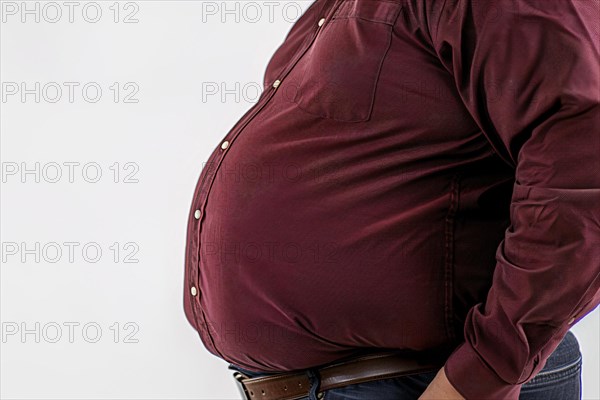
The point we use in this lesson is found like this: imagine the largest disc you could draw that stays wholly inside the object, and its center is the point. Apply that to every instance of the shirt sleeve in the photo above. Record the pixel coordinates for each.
(528, 72)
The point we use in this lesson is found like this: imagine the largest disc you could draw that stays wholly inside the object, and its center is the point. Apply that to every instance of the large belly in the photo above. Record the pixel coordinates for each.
(305, 258)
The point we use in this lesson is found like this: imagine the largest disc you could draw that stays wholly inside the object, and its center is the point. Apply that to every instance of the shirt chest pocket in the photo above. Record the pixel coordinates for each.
(339, 73)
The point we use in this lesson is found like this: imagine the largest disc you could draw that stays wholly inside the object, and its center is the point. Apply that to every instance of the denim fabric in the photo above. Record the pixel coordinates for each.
(560, 379)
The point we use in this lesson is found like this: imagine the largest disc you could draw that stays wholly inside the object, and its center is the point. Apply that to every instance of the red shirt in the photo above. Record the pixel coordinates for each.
(415, 174)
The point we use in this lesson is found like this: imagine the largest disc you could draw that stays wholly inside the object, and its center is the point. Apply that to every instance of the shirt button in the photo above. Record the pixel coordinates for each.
(197, 214)
(321, 21)
(276, 83)
(225, 145)
(194, 290)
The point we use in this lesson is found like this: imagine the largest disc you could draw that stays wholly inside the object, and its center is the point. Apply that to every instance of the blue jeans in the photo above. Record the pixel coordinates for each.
(560, 379)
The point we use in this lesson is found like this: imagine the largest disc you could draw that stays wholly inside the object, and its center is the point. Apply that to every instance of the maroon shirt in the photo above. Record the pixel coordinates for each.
(415, 174)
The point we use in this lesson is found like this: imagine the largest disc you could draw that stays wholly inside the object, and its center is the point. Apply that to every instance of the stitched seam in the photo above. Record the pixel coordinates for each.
(388, 21)
(261, 379)
(368, 357)
(391, 375)
(555, 376)
(337, 16)
(563, 368)
(449, 258)
(210, 335)
(345, 17)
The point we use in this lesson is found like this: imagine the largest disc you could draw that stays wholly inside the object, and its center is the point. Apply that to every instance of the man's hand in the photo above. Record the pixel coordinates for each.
(440, 388)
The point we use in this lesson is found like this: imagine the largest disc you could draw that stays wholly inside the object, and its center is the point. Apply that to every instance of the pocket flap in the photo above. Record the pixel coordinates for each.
(382, 11)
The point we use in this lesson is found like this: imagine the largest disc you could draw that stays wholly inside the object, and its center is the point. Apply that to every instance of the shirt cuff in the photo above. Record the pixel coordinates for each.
(474, 380)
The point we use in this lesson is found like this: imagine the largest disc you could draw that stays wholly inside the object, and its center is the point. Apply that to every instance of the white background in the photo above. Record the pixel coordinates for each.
(167, 61)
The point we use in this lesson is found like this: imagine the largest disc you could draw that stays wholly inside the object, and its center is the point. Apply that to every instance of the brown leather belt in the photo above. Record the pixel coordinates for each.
(295, 385)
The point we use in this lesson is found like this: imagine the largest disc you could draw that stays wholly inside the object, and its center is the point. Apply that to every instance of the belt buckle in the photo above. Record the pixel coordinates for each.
(238, 376)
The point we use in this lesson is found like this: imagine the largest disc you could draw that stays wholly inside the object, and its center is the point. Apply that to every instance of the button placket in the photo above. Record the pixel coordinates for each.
(208, 179)
(204, 192)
